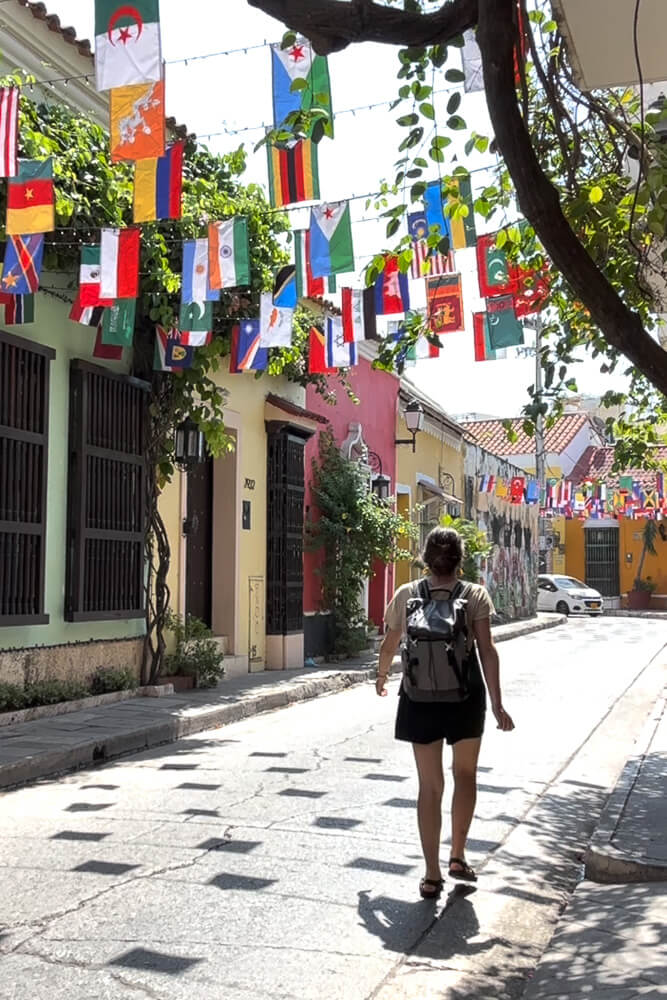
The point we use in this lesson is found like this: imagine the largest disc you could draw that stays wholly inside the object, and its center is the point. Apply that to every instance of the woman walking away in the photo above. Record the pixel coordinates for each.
(443, 622)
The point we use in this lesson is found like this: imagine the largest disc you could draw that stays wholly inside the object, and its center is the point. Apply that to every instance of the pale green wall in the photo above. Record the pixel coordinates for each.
(69, 340)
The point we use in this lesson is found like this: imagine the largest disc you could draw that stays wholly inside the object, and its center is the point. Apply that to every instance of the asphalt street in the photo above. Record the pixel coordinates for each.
(278, 857)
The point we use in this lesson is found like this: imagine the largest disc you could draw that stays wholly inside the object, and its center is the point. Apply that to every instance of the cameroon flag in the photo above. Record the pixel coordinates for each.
(30, 199)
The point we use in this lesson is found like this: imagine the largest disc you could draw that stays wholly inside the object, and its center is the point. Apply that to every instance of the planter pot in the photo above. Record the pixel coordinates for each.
(639, 600)
(181, 682)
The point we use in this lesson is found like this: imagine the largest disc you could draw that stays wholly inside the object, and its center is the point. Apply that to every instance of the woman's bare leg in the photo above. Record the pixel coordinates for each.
(464, 768)
(428, 757)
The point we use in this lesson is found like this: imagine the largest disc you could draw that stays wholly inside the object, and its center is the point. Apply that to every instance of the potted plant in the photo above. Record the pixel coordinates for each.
(197, 660)
(639, 598)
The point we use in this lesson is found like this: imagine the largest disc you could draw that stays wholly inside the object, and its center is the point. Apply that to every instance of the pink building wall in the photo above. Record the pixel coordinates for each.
(377, 392)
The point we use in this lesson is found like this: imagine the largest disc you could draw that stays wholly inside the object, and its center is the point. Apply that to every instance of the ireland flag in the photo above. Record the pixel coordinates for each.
(331, 250)
(300, 82)
(127, 43)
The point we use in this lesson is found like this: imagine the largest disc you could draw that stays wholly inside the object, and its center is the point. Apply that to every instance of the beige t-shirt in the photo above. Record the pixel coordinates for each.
(479, 605)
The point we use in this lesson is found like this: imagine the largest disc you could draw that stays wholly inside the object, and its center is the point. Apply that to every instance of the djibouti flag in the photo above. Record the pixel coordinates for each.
(300, 83)
(127, 43)
(331, 249)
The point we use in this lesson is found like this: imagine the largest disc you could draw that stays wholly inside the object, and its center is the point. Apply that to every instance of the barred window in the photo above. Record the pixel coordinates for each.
(24, 423)
(107, 495)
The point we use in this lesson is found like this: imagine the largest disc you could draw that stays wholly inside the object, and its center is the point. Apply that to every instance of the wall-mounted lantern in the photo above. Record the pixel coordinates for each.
(414, 421)
(381, 484)
(188, 444)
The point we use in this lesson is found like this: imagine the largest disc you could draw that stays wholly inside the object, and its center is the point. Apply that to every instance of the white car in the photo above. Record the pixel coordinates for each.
(567, 596)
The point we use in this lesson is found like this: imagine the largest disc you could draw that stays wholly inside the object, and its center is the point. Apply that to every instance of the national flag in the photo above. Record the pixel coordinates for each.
(625, 484)
(119, 263)
(422, 350)
(392, 294)
(490, 484)
(293, 172)
(106, 352)
(472, 63)
(23, 264)
(338, 353)
(127, 43)
(434, 212)
(495, 273)
(137, 122)
(317, 361)
(517, 487)
(19, 309)
(532, 491)
(196, 317)
(482, 484)
(118, 323)
(275, 323)
(483, 349)
(331, 248)
(158, 186)
(424, 260)
(299, 62)
(229, 253)
(462, 227)
(502, 489)
(565, 493)
(9, 131)
(196, 284)
(307, 286)
(444, 302)
(284, 287)
(90, 276)
(532, 291)
(170, 354)
(660, 484)
(246, 354)
(196, 338)
(31, 199)
(86, 315)
(504, 328)
(352, 308)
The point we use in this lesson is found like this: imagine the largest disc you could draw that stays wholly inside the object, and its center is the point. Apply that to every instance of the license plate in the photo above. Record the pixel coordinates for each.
(594, 606)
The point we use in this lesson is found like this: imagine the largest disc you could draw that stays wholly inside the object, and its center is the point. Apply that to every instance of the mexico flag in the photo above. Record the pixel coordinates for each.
(119, 263)
(127, 43)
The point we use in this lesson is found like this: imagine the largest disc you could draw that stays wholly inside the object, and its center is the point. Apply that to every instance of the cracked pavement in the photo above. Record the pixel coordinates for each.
(278, 857)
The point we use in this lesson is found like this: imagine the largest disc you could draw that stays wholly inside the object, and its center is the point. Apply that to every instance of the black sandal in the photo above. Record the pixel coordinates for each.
(463, 872)
(436, 885)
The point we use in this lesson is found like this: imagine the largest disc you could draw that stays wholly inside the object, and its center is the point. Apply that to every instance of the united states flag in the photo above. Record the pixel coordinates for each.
(438, 263)
(9, 130)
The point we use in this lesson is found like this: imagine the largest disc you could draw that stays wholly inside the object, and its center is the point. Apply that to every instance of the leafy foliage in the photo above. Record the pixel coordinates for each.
(197, 653)
(477, 545)
(354, 528)
(649, 535)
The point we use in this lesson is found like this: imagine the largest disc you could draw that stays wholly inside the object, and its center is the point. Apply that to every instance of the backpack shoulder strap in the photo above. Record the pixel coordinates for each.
(423, 590)
(458, 590)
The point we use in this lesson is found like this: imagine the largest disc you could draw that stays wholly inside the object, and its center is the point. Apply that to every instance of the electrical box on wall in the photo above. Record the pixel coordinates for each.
(246, 515)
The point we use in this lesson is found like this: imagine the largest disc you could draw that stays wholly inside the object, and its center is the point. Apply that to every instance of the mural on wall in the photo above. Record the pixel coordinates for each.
(510, 572)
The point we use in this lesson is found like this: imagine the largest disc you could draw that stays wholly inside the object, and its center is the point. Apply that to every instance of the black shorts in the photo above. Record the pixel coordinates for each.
(428, 721)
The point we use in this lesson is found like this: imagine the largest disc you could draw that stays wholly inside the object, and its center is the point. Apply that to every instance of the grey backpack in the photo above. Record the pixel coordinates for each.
(436, 660)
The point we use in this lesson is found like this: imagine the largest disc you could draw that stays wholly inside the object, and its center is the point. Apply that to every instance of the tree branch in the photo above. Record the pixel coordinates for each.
(540, 203)
(332, 25)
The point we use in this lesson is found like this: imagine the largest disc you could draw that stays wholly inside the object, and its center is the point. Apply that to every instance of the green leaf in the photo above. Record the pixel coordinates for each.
(428, 111)
(436, 154)
(454, 103)
(417, 190)
(455, 76)
(456, 123)
(406, 121)
(299, 84)
(501, 238)
(595, 195)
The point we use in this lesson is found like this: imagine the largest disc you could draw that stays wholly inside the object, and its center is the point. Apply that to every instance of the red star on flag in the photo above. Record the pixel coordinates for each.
(124, 36)
(328, 212)
(297, 53)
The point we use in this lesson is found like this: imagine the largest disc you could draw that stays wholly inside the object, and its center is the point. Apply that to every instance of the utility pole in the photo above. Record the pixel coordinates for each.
(540, 472)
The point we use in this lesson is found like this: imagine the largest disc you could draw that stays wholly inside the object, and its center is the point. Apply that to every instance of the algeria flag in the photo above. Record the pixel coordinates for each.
(127, 43)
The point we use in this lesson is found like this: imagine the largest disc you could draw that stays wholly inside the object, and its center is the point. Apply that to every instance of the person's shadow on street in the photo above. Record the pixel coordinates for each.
(405, 927)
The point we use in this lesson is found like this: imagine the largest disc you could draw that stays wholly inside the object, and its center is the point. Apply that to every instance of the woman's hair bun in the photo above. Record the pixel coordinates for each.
(444, 551)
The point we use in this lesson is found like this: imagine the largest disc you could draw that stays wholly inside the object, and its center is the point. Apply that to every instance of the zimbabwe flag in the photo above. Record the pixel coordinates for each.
(293, 173)
(30, 199)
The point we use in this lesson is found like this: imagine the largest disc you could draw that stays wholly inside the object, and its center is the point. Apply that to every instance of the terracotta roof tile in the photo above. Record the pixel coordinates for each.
(596, 463)
(492, 436)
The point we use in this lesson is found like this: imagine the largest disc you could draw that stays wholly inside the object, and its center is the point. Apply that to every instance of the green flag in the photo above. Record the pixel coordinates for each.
(118, 323)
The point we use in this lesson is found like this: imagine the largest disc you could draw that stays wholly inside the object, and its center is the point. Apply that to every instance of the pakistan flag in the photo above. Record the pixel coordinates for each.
(127, 43)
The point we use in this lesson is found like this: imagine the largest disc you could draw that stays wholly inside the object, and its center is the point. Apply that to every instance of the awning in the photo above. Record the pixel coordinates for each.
(430, 484)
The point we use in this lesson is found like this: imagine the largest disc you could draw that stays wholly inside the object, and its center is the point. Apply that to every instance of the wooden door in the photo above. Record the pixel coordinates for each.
(198, 528)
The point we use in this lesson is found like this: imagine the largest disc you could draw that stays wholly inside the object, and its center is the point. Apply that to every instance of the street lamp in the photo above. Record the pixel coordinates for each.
(188, 444)
(380, 483)
(414, 421)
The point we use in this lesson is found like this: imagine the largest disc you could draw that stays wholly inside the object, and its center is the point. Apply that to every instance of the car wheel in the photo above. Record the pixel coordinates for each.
(562, 608)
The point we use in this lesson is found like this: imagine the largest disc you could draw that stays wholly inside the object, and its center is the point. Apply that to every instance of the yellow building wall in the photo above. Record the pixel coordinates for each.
(432, 455)
(558, 527)
(239, 556)
(575, 549)
(402, 574)
(655, 567)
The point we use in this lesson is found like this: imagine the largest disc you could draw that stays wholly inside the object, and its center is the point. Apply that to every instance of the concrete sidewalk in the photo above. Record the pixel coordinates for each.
(46, 747)
(611, 942)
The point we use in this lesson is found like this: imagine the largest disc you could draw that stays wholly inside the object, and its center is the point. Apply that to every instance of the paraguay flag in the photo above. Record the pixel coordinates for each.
(391, 290)
(158, 186)
(246, 354)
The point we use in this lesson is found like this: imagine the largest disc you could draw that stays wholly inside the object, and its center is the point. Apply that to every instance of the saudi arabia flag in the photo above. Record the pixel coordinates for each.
(127, 43)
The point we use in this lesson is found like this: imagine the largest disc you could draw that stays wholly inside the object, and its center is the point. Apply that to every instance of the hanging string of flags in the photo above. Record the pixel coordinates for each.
(129, 65)
(629, 497)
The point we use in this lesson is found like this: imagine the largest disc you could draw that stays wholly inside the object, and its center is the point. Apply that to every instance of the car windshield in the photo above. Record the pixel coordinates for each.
(568, 583)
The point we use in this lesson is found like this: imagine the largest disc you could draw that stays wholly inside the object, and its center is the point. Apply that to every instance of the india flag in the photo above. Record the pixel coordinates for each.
(127, 43)
(228, 253)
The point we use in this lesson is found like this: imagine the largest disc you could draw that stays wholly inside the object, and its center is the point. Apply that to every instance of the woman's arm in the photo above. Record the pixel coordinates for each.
(491, 667)
(388, 648)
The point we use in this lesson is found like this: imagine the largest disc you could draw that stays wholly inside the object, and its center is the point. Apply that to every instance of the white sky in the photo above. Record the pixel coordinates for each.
(234, 91)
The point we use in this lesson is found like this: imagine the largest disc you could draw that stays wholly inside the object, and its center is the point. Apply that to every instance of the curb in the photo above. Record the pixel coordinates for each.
(80, 704)
(603, 862)
(100, 751)
(658, 616)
